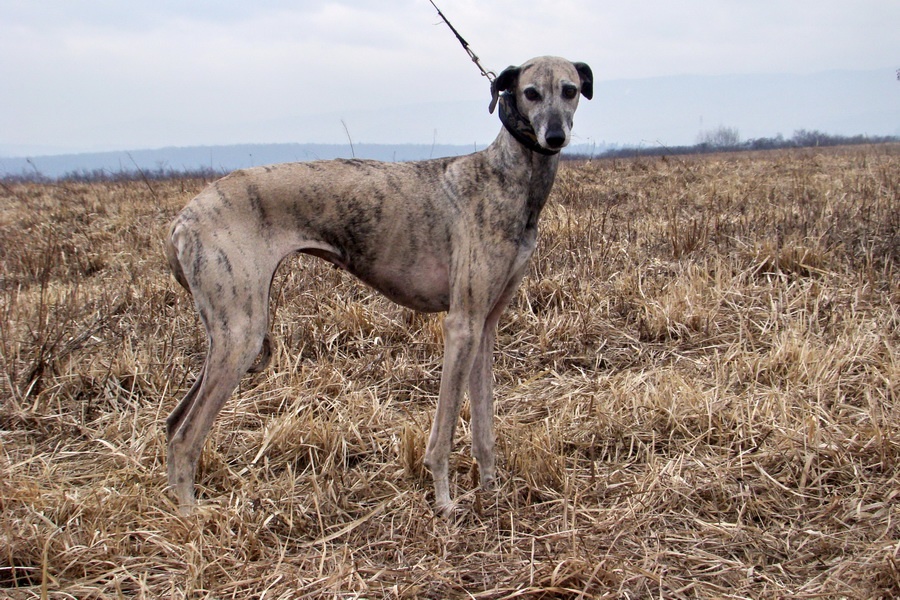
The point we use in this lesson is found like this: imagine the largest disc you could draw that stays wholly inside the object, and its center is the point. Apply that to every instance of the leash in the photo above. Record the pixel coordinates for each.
(489, 74)
(514, 121)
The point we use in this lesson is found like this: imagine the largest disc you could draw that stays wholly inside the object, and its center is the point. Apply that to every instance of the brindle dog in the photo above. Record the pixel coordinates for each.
(452, 234)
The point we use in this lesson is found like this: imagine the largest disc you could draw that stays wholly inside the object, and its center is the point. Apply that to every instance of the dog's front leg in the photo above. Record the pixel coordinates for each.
(481, 401)
(481, 388)
(462, 336)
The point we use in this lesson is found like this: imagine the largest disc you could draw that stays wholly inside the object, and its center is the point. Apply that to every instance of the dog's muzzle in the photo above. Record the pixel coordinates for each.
(556, 135)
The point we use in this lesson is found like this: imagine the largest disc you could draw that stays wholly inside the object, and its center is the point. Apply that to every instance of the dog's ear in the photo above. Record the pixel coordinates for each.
(587, 79)
(507, 80)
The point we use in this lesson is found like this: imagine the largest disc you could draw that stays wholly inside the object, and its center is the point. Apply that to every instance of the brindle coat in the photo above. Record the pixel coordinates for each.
(452, 234)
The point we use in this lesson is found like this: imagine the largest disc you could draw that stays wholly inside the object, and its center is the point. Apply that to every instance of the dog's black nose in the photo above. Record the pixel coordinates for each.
(556, 138)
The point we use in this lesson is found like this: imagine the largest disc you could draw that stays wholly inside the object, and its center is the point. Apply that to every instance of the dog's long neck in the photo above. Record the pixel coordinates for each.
(521, 165)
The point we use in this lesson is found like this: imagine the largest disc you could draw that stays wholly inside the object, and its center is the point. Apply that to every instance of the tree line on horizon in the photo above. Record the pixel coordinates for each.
(727, 139)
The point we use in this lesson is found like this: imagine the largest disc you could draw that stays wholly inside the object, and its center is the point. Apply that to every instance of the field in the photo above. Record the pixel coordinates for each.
(697, 396)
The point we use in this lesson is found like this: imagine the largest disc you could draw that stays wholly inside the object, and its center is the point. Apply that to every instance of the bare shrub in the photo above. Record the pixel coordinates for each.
(720, 137)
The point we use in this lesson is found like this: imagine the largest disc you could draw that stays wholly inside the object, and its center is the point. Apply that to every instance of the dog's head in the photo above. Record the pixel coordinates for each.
(546, 91)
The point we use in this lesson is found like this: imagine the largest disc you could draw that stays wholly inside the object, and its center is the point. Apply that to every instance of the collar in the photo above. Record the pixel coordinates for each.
(520, 127)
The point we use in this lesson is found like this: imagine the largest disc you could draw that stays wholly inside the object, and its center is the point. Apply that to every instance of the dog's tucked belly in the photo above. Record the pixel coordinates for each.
(423, 286)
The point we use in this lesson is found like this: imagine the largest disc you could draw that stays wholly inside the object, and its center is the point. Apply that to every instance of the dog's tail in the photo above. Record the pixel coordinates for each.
(172, 256)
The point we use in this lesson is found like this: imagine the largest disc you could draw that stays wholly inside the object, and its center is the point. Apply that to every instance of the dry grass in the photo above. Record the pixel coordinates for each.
(697, 397)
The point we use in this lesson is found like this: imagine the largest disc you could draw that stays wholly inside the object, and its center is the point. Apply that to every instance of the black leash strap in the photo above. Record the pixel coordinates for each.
(512, 119)
(489, 74)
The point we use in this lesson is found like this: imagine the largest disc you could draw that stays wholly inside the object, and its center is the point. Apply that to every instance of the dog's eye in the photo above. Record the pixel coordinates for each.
(532, 94)
(570, 91)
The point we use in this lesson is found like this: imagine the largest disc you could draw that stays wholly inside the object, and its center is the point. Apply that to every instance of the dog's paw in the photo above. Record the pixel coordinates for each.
(490, 484)
(450, 511)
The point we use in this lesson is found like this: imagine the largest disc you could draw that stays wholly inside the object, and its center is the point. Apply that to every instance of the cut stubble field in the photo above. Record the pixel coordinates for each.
(697, 396)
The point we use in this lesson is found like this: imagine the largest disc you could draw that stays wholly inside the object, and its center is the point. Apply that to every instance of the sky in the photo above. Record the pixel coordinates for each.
(82, 75)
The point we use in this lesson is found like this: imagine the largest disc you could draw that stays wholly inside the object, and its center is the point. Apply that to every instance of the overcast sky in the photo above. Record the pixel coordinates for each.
(108, 74)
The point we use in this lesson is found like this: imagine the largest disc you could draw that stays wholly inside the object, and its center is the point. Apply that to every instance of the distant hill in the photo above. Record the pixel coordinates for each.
(662, 111)
(215, 158)
(224, 159)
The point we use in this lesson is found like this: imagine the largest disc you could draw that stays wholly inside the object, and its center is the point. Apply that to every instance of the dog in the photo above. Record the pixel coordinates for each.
(451, 234)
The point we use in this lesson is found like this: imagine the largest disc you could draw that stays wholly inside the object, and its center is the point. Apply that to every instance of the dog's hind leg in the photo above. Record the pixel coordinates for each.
(233, 304)
(232, 353)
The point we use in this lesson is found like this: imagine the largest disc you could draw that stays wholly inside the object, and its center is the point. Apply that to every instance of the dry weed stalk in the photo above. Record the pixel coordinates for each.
(697, 396)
